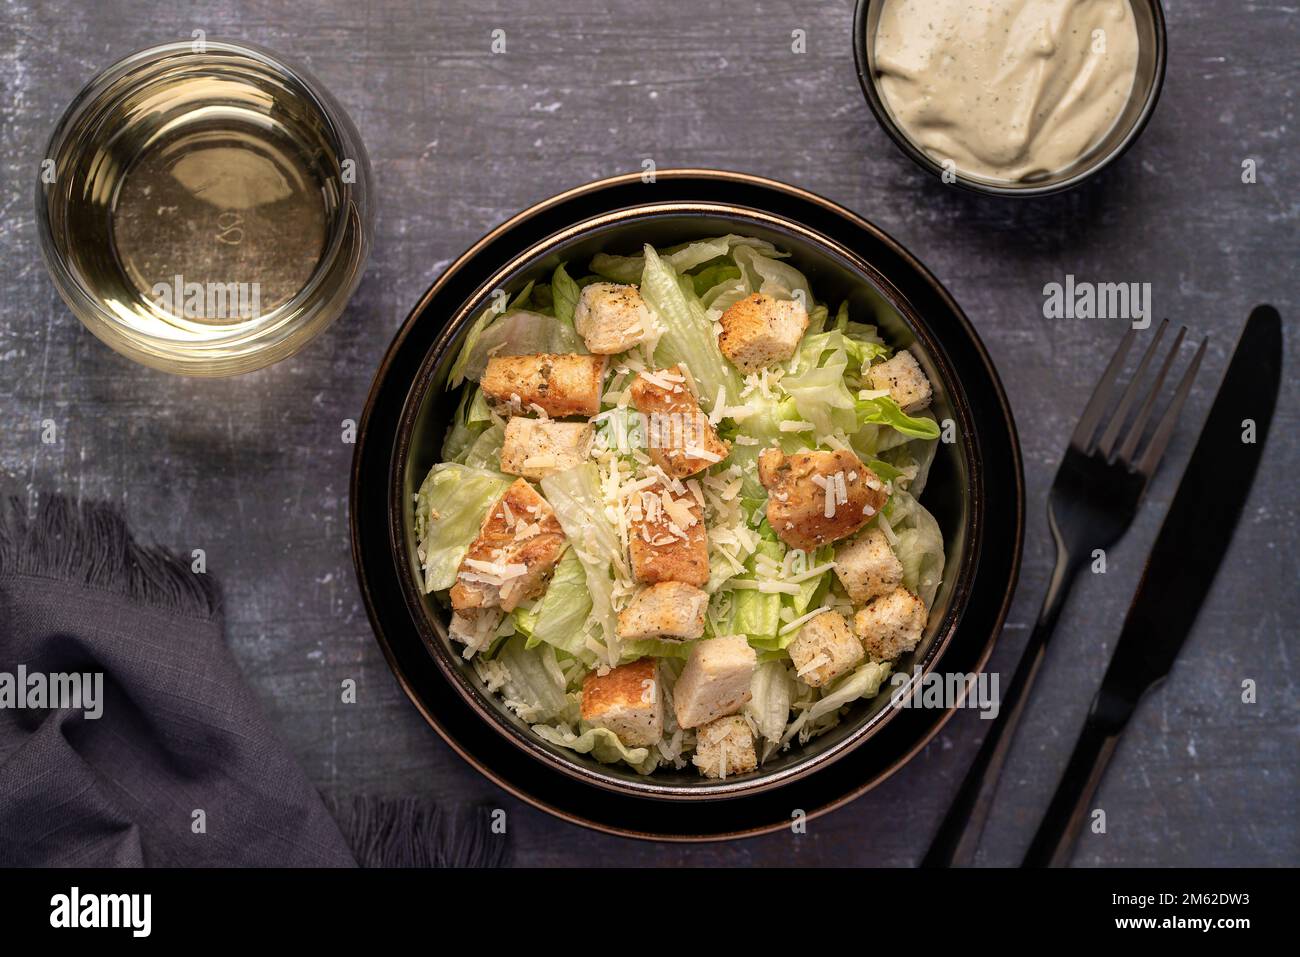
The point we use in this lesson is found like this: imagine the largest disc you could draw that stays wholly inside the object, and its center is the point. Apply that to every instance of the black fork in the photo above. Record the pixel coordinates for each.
(1092, 503)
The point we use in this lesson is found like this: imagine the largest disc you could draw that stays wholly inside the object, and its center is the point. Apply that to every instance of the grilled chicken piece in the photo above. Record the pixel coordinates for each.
(518, 546)
(818, 497)
(627, 701)
(681, 441)
(667, 538)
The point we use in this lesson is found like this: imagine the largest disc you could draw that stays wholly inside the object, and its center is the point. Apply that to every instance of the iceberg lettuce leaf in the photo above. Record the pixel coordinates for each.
(471, 418)
(602, 744)
(771, 690)
(564, 293)
(813, 590)
(718, 276)
(864, 352)
(885, 411)
(575, 495)
(816, 383)
(681, 259)
(485, 452)
(823, 713)
(923, 457)
(764, 417)
(688, 334)
(918, 544)
(907, 465)
(516, 332)
(655, 648)
(771, 277)
(449, 509)
(534, 687)
(885, 471)
(756, 614)
(864, 682)
(559, 618)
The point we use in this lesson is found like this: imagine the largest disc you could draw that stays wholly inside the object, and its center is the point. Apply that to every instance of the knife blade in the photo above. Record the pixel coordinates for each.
(1188, 551)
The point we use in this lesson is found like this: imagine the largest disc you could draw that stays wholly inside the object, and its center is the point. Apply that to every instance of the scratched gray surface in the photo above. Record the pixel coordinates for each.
(254, 471)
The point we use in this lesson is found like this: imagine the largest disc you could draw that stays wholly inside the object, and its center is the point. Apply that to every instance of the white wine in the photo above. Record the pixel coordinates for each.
(200, 203)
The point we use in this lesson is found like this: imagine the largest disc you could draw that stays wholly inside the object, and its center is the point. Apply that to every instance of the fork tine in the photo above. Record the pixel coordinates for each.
(1082, 437)
(1116, 423)
(1156, 447)
(1140, 423)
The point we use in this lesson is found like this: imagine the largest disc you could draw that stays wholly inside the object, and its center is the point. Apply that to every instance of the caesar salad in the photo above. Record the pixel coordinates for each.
(677, 518)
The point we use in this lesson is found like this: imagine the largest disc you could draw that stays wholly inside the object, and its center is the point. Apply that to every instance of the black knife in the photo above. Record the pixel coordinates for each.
(1188, 551)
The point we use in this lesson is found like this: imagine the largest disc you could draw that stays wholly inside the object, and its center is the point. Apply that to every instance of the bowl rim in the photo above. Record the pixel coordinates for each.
(433, 633)
(922, 159)
(394, 631)
(157, 351)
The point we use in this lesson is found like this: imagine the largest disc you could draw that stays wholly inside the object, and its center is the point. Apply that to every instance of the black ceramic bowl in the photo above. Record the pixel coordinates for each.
(1152, 44)
(406, 416)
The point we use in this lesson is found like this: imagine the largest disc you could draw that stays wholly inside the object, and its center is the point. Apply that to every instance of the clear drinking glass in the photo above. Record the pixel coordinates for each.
(203, 207)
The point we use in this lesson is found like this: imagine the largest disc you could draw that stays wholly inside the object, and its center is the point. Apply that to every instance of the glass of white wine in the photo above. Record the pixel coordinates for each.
(203, 207)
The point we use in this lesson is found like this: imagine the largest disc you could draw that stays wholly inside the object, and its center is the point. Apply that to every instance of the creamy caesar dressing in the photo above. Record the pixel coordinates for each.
(1009, 90)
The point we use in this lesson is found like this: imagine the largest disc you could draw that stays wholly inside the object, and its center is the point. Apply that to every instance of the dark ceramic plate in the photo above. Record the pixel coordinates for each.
(403, 624)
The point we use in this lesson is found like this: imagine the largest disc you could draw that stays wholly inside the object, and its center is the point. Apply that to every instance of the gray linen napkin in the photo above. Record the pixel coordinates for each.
(180, 767)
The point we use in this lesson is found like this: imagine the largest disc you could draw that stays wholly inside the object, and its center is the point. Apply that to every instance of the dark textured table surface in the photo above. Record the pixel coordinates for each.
(254, 471)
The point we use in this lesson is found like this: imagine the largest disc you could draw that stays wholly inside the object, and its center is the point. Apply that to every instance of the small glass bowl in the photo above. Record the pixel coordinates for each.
(213, 158)
(1152, 43)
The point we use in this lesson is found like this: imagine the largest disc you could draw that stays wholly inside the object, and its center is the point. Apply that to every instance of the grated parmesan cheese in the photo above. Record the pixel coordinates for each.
(663, 380)
(698, 453)
(798, 622)
(813, 664)
(810, 573)
(887, 529)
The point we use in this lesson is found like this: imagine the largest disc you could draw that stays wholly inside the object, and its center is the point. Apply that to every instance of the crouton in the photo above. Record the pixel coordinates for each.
(627, 701)
(680, 439)
(905, 381)
(665, 610)
(559, 385)
(612, 318)
(511, 560)
(825, 649)
(715, 681)
(667, 538)
(760, 330)
(818, 497)
(891, 625)
(867, 566)
(535, 448)
(725, 747)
